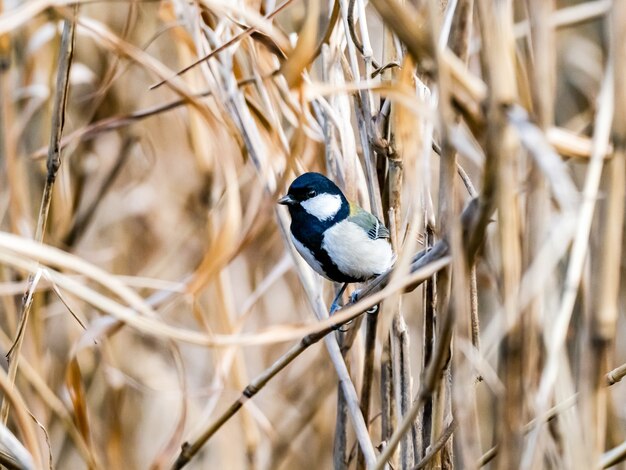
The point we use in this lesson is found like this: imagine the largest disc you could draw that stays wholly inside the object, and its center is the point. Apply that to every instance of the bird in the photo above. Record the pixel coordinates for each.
(338, 239)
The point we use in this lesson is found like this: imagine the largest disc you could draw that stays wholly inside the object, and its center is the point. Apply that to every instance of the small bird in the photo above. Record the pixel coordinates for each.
(337, 238)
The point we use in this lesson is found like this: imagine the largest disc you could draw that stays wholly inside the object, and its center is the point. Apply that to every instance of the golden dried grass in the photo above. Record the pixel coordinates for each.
(160, 283)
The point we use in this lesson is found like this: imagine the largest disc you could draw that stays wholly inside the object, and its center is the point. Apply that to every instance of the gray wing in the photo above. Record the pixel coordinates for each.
(368, 222)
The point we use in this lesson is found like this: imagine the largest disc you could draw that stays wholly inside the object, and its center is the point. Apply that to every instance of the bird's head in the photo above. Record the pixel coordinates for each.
(315, 195)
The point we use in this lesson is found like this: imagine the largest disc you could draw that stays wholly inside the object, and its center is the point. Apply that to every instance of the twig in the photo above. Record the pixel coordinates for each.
(355, 38)
(235, 39)
(53, 163)
(190, 449)
(616, 375)
(116, 122)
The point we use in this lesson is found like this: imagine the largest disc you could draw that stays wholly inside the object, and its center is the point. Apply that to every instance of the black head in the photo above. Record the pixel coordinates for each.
(315, 202)
(308, 186)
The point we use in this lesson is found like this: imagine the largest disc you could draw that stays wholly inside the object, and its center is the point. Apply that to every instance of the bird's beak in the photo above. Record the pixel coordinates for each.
(286, 200)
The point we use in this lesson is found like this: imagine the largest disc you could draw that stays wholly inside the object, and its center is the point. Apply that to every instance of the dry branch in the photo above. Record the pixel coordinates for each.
(53, 164)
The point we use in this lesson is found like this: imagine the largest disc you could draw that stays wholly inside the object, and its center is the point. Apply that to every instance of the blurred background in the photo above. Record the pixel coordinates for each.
(165, 282)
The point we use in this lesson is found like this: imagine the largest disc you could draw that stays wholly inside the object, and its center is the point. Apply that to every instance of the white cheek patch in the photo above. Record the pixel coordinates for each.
(323, 206)
(355, 253)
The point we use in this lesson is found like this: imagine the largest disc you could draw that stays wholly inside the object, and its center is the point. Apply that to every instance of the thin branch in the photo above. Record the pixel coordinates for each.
(616, 375)
(235, 39)
(54, 161)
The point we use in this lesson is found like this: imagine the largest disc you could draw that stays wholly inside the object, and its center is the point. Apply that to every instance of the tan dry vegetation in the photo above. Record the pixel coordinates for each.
(148, 289)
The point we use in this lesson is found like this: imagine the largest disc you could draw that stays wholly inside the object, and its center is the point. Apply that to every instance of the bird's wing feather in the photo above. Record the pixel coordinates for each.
(368, 222)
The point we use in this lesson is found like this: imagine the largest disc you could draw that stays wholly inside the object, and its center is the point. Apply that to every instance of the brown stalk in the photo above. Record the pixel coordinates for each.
(340, 441)
(501, 148)
(579, 251)
(436, 447)
(604, 321)
(402, 386)
(387, 398)
(428, 347)
(53, 163)
(447, 209)
(542, 46)
(368, 371)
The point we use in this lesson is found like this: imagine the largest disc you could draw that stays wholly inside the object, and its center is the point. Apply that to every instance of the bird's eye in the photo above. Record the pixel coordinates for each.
(311, 193)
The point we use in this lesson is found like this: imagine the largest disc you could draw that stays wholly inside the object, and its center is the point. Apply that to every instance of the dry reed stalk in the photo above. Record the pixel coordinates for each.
(428, 344)
(402, 387)
(387, 398)
(604, 321)
(53, 164)
(427, 387)
(447, 211)
(538, 201)
(400, 357)
(557, 337)
(383, 142)
(251, 110)
(340, 441)
(498, 63)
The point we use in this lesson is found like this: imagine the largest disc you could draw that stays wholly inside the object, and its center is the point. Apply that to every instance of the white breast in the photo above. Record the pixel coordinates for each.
(355, 253)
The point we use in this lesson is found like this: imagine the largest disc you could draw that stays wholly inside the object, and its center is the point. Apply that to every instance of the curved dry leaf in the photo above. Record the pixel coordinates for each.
(306, 45)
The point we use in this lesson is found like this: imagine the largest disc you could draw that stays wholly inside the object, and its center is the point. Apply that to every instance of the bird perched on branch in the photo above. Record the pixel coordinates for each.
(337, 238)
